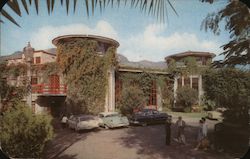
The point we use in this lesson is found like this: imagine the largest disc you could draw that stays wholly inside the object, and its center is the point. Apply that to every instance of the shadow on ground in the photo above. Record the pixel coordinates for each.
(63, 139)
(151, 141)
(68, 157)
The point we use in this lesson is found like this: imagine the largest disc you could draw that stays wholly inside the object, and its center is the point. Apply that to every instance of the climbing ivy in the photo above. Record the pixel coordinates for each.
(86, 74)
(144, 81)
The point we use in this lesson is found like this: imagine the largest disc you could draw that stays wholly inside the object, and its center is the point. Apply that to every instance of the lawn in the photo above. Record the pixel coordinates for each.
(188, 115)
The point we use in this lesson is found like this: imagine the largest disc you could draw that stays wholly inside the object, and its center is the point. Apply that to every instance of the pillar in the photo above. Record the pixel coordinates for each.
(175, 89)
(200, 89)
(110, 93)
(159, 98)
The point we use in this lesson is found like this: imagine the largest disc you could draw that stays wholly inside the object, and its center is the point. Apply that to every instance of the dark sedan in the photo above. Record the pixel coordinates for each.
(148, 116)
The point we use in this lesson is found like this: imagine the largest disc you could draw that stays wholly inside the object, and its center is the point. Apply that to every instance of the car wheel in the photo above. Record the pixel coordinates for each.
(106, 127)
(144, 124)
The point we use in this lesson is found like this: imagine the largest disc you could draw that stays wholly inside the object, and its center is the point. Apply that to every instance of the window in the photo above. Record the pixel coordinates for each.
(179, 82)
(118, 89)
(153, 95)
(187, 81)
(195, 83)
(34, 80)
(38, 60)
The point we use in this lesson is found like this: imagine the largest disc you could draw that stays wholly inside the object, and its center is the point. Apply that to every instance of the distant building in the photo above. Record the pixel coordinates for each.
(194, 80)
(49, 95)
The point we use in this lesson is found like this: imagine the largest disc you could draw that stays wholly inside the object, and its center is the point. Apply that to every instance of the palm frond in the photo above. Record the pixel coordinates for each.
(37, 5)
(75, 1)
(48, 6)
(52, 5)
(67, 6)
(14, 6)
(25, 6)
(6, 15)
(155, 8)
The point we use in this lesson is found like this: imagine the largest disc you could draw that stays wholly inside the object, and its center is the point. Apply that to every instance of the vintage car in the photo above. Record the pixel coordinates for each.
(81, 122)
(148, 116)
(112, 120)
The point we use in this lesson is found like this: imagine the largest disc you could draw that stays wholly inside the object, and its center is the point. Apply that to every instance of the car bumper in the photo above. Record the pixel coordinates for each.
(120, 125)
(134, 122)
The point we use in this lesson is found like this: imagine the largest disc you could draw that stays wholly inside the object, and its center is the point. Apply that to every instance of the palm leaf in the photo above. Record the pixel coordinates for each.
(37, 5)
(6, 15)
(52, 5)
(67, 6)
(157, 8)
(172, 7)
(25, 6)
(48, 6)
(14, 6)
(87, 7)
(75, 1)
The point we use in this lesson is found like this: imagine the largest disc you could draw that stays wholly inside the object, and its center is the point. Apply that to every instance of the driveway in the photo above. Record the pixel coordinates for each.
(126, 143)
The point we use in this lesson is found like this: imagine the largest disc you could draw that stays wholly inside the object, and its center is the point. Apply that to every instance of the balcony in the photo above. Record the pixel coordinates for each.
(48, 89)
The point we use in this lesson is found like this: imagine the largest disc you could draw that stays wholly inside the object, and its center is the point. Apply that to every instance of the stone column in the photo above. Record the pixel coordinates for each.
(191, 81)
(200, 90)
(112, 89)
(110, 95)
(182, 81)
(159, 98)
(175, 89)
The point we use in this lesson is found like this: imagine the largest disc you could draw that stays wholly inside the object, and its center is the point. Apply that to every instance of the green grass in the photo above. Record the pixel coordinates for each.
(190, 115)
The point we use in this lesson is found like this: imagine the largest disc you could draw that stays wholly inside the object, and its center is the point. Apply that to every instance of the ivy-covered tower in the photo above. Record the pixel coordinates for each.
(88, 61)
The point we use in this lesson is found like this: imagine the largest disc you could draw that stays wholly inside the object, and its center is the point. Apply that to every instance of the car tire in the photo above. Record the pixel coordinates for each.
(106, 127)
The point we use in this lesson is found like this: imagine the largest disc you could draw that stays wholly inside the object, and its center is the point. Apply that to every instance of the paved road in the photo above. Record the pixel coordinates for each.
(126, 143)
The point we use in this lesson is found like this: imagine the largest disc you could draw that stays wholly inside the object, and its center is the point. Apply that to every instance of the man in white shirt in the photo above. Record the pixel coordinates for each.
(204, 127)
(64, 121)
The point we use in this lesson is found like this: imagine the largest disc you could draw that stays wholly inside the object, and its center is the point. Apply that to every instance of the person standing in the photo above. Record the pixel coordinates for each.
(168, 130)
(199, 135)
(64, 121)
(204, 127)
(205, 141)
(180, 130)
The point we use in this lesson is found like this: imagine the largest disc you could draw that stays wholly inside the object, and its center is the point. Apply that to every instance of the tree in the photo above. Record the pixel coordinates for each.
(132, 98)
(156, 8)
(236, 16)
(10, 95)
(24, 134)
(229, 88)
(186, 97)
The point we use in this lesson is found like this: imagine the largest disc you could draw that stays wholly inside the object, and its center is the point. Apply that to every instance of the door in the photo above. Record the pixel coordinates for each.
(54, 85)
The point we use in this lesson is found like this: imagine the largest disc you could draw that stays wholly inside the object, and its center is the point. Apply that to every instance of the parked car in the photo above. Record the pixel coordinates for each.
(81, 122)
(148, 116)
(112, 120)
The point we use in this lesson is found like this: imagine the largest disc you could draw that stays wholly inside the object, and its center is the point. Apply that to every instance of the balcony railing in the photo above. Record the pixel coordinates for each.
(60, 89)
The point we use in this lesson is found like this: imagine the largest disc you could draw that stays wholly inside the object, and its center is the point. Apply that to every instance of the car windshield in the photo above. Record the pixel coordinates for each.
(113, 115)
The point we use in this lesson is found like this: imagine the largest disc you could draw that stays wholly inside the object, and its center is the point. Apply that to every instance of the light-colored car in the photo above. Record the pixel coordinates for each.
(112, 120)
(81, 122)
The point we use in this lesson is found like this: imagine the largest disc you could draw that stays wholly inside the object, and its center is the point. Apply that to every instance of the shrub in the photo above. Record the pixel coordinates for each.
(24, 134)
(229, 88)
(132, 98)
(186, 97)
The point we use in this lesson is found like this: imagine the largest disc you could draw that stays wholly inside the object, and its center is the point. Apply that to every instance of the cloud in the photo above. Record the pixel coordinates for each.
(42, 38)
(152, 45)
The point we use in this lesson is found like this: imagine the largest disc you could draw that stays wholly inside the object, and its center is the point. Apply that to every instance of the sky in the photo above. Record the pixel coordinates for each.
(140, 35)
